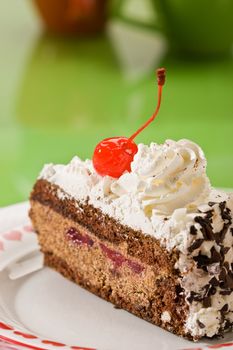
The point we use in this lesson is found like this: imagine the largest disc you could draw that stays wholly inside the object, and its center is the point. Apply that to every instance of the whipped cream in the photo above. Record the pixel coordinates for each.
(163, 178)
(165, 191)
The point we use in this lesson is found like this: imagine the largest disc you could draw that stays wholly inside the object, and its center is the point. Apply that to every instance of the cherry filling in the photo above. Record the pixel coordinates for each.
(118, 259)
(113, 156)
(79, 238)
(137, 268)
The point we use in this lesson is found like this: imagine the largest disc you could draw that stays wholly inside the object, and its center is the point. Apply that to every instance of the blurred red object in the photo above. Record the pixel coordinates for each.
(73, 16)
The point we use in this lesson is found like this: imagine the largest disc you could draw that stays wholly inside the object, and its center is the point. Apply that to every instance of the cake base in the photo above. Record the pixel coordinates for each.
(109, 271)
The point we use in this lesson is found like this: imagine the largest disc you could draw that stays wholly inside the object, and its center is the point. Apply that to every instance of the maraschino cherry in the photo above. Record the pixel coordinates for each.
(113, 156)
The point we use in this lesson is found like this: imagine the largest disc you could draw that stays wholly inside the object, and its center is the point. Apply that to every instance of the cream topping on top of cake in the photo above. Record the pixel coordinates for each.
(163, 178)
(168, 195)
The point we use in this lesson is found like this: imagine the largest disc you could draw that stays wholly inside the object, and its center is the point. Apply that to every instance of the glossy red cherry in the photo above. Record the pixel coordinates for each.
(113, 156)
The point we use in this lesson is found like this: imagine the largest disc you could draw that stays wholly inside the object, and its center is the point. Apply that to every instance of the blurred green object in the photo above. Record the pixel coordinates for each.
(63, 85)
(61, 97)
(197, 27)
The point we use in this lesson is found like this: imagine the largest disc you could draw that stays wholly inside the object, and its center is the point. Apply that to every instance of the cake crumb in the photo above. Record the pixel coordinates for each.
(165, 316)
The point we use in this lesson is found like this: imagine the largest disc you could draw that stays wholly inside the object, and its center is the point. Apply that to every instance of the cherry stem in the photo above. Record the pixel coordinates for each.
(161, 81)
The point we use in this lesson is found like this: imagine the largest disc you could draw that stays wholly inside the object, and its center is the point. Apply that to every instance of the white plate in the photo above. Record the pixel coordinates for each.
(45, 311)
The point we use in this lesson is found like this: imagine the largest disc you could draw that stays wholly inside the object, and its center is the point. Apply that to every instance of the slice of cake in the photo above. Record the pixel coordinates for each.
(141, 227)
(157, 241)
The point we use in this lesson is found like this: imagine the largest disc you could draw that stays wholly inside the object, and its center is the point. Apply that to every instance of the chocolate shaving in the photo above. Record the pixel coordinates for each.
(214, 282)
(229, 280)
(224, 250)
(202, 260)
(225, 292)
(193, 230)
(196, 244)
(227, 325)
(215, 256)
(219, 236)
(223, 273)
(194, 297)
(206, 228)
(209, 214)
(224, 309)
(212, 291)
(209, 290)
(207, 302)
(200, 324)
(225, 212)
(179, 290)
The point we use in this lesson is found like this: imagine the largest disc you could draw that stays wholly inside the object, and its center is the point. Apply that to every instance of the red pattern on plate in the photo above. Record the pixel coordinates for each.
(219, 346)
(15, 342)
(78, 348)
(193, 349)
(13, 235)
(6, 346)
(50, 342)
(28, 228)
(25, 335)
(5, 326)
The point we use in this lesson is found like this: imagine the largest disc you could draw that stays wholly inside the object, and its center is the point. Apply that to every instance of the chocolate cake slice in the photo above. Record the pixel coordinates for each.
(156, 242)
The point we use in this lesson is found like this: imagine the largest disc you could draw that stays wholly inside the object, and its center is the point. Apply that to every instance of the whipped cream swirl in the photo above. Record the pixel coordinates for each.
(166, 177)
(163, 178)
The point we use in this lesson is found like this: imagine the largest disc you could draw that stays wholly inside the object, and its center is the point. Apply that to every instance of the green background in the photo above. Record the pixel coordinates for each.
(58, 97)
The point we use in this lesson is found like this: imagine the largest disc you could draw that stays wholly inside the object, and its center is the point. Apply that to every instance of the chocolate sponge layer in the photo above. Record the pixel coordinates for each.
(121, 265)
